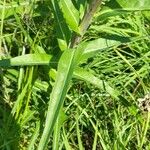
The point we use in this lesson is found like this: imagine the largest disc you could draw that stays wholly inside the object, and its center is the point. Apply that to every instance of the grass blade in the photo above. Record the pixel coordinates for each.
(79, 133)
(34, 137)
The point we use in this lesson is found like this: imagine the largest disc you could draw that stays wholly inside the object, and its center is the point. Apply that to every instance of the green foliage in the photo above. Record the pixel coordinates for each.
(62, 30)
(71, 14)
(71, 74)
(28, 59)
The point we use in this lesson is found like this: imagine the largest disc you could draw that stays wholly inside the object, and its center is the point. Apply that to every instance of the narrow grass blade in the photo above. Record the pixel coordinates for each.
(145, 129)
(131, 66)
(16, 108)
(34, 137)
(60, 120)
(79, 133)
(65, 140)
(103, 143)
(95, 138)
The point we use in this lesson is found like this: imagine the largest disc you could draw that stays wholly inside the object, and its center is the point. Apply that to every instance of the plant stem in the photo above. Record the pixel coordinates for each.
(85, 22)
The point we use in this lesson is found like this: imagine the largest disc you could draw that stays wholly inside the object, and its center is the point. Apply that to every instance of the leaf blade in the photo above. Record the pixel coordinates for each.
(26, 60)
(62, 30)
(71, 14)
(82, 74)
(64, 75)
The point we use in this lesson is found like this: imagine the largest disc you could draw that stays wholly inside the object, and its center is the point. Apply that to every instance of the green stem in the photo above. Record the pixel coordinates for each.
(86, 21)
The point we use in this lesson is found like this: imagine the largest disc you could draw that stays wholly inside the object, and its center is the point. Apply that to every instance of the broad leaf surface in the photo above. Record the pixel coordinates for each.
(66, 67)
(26, 60)
(134, 4)
(119, 7)
(61, 28)
(93, 47)
(71, 14)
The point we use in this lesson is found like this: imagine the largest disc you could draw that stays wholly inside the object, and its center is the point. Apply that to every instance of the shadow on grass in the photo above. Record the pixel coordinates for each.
(9, 129)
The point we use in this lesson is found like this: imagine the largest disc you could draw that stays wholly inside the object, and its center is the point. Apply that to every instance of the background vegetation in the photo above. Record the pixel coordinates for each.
(74, 74)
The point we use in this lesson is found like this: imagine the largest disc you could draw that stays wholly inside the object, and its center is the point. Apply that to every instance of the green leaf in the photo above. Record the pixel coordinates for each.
(27, 60)
(93, 47)
(66, 65)
(87, 76)
(134, 4)
(119, 7)
(71, 14)
(62, 30)
(60, 120)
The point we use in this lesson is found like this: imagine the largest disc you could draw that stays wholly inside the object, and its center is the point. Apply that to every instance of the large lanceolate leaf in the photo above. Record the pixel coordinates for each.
(118, 7)
(93, 47)
(66, 67)
(62, 30)
(71, 14)
(26, 60)
(134, 4)
(82, 74)
(89, 49)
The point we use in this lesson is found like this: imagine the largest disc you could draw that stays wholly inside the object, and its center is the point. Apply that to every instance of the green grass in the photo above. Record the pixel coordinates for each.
(74, 83)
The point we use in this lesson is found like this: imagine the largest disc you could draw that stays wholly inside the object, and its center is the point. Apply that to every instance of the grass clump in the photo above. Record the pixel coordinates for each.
(79, 83)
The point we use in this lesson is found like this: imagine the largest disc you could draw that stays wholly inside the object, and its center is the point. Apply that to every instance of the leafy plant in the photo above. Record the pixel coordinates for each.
(83, 40)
